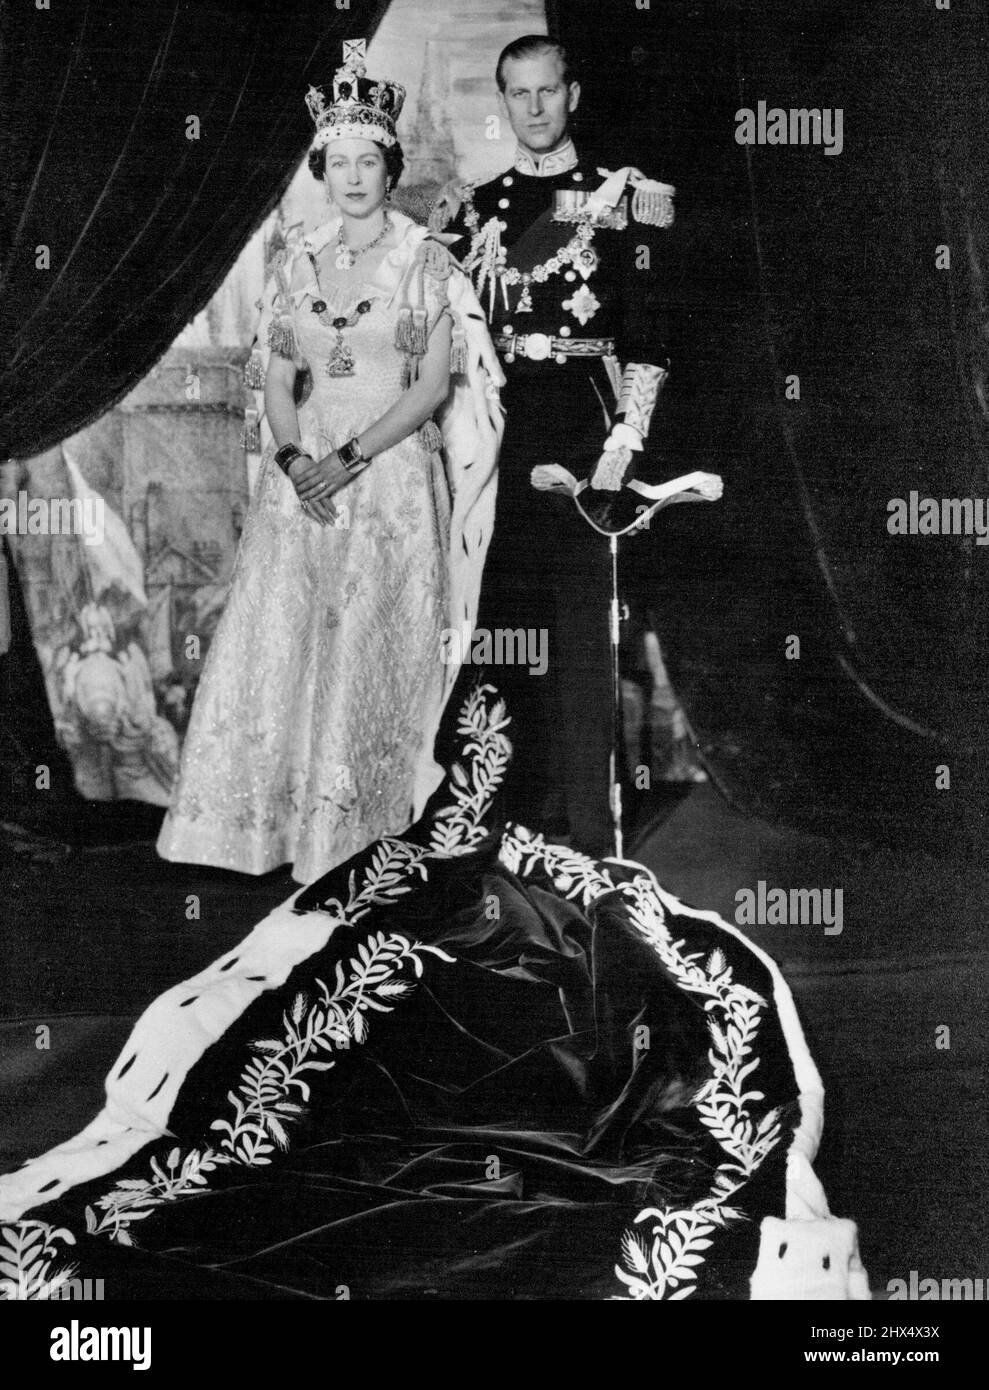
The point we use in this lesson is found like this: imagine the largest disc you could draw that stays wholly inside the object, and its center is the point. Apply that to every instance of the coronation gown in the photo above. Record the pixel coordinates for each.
(313, 708)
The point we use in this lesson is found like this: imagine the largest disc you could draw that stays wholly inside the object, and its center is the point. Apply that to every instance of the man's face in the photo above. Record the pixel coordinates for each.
(537, 100)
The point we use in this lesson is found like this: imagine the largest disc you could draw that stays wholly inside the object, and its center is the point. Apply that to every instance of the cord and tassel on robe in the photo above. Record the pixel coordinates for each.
(281, 335)
(412, 325)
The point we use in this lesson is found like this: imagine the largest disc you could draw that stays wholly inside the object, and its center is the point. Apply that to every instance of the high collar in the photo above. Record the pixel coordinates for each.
(543, 166)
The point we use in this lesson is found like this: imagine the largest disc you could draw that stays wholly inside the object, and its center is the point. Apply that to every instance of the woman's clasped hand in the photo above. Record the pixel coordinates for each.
(316, 481)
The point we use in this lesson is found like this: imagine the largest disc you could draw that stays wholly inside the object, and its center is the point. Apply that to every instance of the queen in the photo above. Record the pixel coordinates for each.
(313, 727)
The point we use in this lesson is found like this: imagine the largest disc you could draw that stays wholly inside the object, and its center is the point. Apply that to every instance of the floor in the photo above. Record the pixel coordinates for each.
(906, 1143)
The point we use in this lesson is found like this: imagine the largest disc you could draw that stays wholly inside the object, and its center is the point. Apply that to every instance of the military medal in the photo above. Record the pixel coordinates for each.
(583, 304)
(586, 261)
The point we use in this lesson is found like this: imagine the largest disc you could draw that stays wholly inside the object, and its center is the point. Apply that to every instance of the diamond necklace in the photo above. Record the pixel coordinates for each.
(347, 255)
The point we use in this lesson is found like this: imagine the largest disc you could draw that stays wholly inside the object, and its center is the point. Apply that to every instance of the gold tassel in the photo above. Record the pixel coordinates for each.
(458, 348)
(403, 329)
(250, 438)
(431, 437)
(406, 372)
(281, 339)
(420, 337)
(254, 372)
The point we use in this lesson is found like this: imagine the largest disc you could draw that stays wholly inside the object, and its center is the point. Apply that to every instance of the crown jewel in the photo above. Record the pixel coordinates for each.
(362, 106)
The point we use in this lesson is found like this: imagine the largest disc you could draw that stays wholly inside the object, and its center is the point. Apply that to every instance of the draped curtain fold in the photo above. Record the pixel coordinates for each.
(142, 141)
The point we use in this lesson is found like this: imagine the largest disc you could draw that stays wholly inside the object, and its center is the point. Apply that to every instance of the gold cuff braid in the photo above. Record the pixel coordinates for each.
(641, 385)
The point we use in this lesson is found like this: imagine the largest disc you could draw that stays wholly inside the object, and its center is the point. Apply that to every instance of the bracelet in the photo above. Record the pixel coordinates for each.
(286, 456)
(352, 456)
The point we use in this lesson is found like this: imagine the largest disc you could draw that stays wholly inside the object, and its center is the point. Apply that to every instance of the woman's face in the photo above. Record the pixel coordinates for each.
(355, 176)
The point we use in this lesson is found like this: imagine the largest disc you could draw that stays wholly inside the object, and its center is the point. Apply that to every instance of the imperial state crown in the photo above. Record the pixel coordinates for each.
(362, 106)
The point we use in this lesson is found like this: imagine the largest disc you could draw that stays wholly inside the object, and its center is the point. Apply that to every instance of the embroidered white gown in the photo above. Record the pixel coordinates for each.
(317, 691)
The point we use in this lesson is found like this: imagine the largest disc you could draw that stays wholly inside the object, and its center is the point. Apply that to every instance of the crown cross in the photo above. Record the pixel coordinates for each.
(354, 54)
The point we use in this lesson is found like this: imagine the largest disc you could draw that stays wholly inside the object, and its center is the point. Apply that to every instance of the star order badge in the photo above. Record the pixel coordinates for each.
(583, 304)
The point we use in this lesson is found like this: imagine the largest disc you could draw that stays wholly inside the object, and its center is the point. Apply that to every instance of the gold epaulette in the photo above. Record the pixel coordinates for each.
(651, 203)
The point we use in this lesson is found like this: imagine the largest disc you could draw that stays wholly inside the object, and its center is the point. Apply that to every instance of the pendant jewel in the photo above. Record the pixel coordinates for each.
(341, 358)
(346, 257)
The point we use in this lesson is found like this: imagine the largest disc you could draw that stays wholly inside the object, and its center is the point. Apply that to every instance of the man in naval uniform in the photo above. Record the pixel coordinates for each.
(564, 259)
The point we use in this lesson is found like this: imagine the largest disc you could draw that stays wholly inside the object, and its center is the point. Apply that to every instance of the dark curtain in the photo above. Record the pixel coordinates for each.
(822, 267)
(141, 222)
